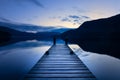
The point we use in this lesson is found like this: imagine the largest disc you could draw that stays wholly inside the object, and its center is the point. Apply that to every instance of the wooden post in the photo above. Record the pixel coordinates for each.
(66, 41)
(54, 40)
(47, 53)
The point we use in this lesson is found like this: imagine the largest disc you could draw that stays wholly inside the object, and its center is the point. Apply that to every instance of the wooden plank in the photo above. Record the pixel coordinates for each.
(62, 72)
(67, 68)
(71, 61)
(60, 69)
(60, 79)
(60, 64)
(60, 76)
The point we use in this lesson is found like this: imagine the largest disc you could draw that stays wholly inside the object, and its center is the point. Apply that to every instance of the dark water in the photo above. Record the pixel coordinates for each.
(104, 67)
(18, 58)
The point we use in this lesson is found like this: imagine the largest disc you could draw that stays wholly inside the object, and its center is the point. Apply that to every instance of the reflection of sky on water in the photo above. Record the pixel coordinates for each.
(104, 67)
(17, 59)
(59, 41)
(26, 44)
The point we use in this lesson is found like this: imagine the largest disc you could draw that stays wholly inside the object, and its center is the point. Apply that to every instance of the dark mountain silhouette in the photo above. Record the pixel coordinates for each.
(21, 32)
(11, 32)
(100, 36)
(8, 35)
(4, 36)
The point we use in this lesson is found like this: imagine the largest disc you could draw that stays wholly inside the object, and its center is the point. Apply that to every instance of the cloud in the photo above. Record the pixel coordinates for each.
(36, 2)
(4, 19)
(86, 17)
(75, 19)
(78, 17)
(65, 19)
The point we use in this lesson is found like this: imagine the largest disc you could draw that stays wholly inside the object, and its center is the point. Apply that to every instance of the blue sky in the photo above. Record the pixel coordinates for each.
(66, 13)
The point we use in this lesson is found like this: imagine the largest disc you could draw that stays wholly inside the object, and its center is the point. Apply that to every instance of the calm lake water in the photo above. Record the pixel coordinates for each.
(17, 59)
(104, 67)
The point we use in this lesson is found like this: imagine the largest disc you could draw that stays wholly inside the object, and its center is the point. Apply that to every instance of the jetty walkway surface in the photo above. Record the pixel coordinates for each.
(60, 63)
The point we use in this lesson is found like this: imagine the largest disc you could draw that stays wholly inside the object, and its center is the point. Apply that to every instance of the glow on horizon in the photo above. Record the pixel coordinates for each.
(52, 12)
(57, 24)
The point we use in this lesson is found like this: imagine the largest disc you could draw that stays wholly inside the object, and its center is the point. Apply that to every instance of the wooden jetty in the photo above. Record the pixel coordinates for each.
(60, 63)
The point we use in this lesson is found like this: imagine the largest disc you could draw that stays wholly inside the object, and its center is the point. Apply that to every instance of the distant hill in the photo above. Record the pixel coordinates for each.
(4, 36)
(28, 31)
(8, 35)
(100, 36)
(32, 28)
(16, 35)
(14, 32)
